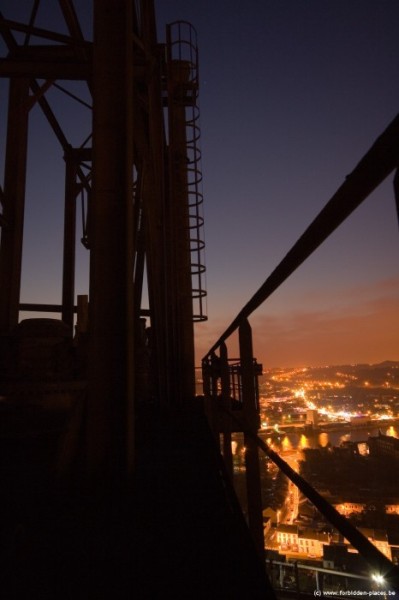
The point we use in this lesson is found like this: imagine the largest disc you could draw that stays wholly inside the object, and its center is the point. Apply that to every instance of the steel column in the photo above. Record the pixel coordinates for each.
(181, 319)
(226, 404)
(254, 495)
(396, 191)
(14, 203)
(154, 195)
(68, 278)
(110, 368)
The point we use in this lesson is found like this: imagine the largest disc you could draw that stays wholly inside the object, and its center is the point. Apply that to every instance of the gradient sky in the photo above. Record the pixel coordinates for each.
(293, 93)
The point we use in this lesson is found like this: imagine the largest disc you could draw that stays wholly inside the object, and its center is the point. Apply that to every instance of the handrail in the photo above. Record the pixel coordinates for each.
(375, 166)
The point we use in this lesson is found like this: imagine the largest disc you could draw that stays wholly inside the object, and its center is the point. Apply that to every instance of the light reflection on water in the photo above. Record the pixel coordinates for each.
(323, 439)
(286, 443)
(346, 438)
(304, 442)
(292, 441)
(392, 431)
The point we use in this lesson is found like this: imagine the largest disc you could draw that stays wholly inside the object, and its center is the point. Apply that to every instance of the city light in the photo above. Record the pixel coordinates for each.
(323, 419)
(378, 578)
(287, 395)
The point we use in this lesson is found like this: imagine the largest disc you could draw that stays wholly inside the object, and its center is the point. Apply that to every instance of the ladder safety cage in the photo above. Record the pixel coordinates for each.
(183, 58)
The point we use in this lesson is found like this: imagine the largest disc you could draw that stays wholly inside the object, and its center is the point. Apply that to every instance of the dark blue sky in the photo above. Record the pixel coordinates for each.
(293, 93)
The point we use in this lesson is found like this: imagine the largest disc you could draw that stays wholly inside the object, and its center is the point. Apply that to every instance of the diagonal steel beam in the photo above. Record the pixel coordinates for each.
(375, 166)
(46, 34)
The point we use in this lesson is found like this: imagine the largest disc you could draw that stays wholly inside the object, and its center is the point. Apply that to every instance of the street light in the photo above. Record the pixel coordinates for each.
(378, 578)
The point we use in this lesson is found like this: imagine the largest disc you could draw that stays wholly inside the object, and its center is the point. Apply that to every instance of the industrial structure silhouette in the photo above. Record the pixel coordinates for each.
(113, 482)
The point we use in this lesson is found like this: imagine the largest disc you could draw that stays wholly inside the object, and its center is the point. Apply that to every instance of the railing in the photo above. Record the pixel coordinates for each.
(228, 415)
(303, 580)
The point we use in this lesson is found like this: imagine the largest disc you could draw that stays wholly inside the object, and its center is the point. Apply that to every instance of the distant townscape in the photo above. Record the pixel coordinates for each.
(338, 426)
(345, 393)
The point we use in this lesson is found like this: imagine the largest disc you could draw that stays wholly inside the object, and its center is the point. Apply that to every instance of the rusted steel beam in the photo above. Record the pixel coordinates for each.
(14, 203)
(396, 191)
(82, 50)
(72, 21)
(110, 363)
(72, 70)
(226, 403)
(36, 89)
(43, 33)
(154, 207)
(33, 13)
(68, 275)
(375, 166)
(50, 116)
(253, 483)
(48, 308)
(6, 33)
(57, 308)
(178, 238)
(3, 222)
(139, 244)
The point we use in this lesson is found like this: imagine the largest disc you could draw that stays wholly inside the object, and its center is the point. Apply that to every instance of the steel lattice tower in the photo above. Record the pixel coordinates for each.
(137, 176)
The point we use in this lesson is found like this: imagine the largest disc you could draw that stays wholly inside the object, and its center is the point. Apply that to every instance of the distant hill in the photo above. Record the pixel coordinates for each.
(374, 375)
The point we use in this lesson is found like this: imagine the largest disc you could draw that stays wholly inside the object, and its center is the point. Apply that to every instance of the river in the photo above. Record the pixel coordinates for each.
(300, 440)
